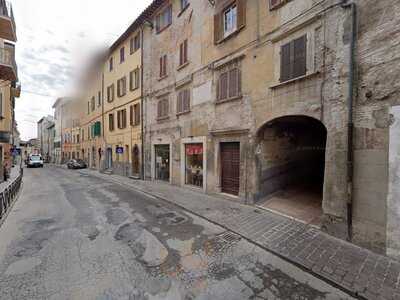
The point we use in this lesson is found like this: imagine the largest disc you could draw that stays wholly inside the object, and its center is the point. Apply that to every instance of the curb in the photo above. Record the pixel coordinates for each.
(284, 258)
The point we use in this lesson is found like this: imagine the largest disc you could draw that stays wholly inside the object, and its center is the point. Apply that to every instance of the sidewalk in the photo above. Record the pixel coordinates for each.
(354, 269)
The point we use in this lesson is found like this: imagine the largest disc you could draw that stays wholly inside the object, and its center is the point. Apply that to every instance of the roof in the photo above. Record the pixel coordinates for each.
(145, 15)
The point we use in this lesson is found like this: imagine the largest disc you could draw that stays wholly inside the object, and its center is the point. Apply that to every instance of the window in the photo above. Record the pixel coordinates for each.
(134, 43)
(137, 42)
(93, 103)
(111, 122)
(96, 128)
(183, 53)
(162, 108)
(121, 87)
(99, 99)
(111, 64)
(122, 55)
(134, 79)
(276, 3)
(163, 66)
(183, 102)
(164, 19)
(1, 105)
(136, 109)
(229, 20)
(77, 138)
(229, 84)
(110, 93)
(194, 164)
(293, 59)
(83, 134)
(184, 4)
(121, 119)
(88, 107)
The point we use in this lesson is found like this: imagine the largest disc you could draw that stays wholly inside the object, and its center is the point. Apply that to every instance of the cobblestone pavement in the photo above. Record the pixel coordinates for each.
(357, 270)
(72, 235)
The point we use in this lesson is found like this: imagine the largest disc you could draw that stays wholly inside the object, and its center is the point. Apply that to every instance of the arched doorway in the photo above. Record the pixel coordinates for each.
(292, 166)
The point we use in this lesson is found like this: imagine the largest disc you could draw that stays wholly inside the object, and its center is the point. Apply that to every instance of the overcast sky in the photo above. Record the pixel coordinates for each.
(54, 38)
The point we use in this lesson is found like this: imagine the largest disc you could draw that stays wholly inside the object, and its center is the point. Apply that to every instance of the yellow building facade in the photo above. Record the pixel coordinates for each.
(122, 105)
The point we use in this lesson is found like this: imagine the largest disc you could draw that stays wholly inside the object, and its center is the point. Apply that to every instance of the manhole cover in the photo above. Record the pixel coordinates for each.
(222, 242)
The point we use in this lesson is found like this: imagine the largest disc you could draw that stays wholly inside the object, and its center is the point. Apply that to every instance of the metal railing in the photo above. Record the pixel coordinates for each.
(9, 195)
(6, 10)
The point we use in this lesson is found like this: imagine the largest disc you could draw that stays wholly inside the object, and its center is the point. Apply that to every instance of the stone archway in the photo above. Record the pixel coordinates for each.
(292, 166)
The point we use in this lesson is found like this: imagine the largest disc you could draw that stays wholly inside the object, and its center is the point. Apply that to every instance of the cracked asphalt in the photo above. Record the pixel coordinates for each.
(74, 236)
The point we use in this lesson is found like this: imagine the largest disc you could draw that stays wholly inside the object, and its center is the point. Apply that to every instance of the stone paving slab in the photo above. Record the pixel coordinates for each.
(358, 271)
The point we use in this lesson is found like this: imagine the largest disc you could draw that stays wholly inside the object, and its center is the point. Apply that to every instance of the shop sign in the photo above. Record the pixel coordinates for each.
(194, 149)
(119, 150)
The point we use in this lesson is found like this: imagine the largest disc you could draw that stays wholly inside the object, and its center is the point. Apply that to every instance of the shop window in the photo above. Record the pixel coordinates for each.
(194, 164)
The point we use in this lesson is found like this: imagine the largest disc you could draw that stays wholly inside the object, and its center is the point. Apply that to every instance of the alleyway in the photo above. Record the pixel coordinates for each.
(75, 236)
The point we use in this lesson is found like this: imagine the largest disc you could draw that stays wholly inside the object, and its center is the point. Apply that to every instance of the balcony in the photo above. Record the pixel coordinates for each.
(8, 66)
(8, 30)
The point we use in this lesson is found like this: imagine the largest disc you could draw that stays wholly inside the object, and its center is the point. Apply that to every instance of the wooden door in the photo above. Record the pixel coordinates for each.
(230, 168)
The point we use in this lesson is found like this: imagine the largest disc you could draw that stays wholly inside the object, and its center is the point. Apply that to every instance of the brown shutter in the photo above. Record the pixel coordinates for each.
(159, 108)
(233, 83)
(217, 27)
(165, 65)
(223, 86)
(131, 114)
(181, 54)
(300, 51)
(185, 51)
(285, 62)
(161, 66)
(241, 17)
(187, 100)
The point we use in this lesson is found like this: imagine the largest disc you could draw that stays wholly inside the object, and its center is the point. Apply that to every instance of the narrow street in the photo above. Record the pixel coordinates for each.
(74, 236)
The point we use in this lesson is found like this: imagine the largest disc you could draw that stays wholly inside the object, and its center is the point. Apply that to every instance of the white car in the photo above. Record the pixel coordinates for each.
(35, 160)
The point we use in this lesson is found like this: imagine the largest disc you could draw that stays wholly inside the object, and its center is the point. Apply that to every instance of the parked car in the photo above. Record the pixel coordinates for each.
(34, 160)
(76, 164)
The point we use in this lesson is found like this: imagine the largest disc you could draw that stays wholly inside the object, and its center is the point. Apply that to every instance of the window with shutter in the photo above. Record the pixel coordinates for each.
(121, 87)
(137, 42)
(164, 19)
(273, 4)
(183, 53)
(99, 98)
(137, 113)
(122, 55)
(110, 93)
(163, 108)
(163, 66)
(134, 79)
(229, 84)
(183, 101)
(294, 59)
(131, 120)
(111, 64)
(111, 122)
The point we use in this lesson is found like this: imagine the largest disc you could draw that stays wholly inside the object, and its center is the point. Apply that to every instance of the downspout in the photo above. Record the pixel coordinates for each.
(350, 124)
(102, 119)
(142, 100)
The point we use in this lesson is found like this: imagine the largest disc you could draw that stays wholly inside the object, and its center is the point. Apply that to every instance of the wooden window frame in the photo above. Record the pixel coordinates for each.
(111, 64)
(121, 87)
(219, 20)
(134, 79)
(121, 119)
(110, 93)
(163, 66)
(224, 89)
(183, 54)
(92, 103)
(99, 99)
(183, 101)
(163, 109)
(293, 57)
(161, 27)
(122, 55)
(136, 113)
(111, 122)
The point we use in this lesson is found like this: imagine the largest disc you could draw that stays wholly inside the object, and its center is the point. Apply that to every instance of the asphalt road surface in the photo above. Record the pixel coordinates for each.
(74, 236)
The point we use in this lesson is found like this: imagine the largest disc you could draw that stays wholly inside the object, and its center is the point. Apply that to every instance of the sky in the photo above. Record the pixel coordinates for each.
(55, 39)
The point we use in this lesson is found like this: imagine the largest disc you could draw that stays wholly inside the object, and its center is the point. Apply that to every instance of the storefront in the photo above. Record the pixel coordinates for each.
(162, 162)
(194, 162)
(194, 165)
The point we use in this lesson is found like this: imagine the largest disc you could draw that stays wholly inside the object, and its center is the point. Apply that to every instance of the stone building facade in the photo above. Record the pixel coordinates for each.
(287, 104)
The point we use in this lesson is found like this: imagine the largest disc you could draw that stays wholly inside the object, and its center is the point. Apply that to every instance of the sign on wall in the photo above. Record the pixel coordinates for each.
(119, 150)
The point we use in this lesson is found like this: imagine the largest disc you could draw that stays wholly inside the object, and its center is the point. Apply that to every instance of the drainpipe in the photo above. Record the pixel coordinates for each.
(350, 124)
(142, 100)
